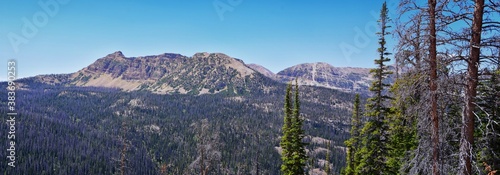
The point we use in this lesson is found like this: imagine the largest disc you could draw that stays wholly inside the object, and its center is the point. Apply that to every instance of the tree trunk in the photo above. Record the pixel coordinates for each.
(417, 45)
(470, 94)
(433, 87)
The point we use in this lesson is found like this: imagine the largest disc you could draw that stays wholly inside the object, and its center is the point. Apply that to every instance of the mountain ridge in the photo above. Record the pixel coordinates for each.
(165, 73)
(205, 73)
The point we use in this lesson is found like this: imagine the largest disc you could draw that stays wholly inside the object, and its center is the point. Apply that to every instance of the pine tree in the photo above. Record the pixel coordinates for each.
(299, 153)
(286, 139)
(374, 151)
(353, 143)
(293, 152)
(402, 125)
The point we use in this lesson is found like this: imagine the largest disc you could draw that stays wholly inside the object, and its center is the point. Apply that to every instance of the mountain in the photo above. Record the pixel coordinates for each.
(206, 73)
(264, 71)
(152, 107)
(347, 79)
(167, 73)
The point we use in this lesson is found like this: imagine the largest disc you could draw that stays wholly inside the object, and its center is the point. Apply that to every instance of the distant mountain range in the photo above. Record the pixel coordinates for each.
(206, 73)
(77, 123)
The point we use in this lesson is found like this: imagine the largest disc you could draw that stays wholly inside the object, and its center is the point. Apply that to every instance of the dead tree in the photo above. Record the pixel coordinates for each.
(209, 156)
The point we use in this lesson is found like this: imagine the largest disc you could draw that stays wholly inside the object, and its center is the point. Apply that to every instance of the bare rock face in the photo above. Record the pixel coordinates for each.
(134, 68)
(347, 79)
(167, 73)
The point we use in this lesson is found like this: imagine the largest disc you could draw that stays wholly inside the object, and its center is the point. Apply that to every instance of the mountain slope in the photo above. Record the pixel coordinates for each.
(206, 73)
(264, 71)
(347, 79)
(84, 113)
(167, 73)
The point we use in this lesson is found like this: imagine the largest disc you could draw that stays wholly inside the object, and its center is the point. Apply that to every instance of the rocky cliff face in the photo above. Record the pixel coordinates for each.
(167, 73)
(347, 79)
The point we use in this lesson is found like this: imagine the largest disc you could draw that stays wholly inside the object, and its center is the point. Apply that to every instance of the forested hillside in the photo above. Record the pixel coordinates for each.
(85, 130)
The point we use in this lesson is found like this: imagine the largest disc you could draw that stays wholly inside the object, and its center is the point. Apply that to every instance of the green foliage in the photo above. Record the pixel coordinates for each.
(403, 131)
(293, 149)
(374, 135)
(286, 139)
(353, 143)
(487, 132)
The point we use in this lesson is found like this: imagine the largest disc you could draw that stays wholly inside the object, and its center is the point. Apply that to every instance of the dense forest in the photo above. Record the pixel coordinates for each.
(87, 130)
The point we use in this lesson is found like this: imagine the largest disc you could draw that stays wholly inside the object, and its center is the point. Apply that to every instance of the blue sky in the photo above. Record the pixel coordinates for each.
(71, 34)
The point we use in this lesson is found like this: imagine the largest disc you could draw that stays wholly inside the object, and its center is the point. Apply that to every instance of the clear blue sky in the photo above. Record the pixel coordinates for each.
(276, 34)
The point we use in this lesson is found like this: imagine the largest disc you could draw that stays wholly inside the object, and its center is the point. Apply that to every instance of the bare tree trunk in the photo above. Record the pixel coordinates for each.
(123, 153)
(416, 45)
(433, 87)
(202, 163)
(470, 93)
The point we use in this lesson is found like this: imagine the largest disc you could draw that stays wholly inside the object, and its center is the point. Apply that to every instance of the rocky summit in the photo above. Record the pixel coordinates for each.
(167, 73)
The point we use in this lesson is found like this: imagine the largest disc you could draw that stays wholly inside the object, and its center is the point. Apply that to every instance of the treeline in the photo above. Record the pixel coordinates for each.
(441, 115)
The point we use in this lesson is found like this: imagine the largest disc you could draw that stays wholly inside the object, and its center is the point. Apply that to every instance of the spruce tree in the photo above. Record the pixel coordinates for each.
(299, 154)
(286, 139)
(374, 151)
(293, 152)
(354, 142)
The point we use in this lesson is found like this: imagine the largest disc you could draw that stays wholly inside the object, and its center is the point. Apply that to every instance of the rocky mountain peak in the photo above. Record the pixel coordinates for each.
(205, 55)
(117, 54)
(323, 64)
(201, 55)
(168, 73)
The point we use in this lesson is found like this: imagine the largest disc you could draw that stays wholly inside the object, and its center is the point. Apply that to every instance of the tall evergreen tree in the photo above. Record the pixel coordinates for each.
(293, 148)
(354, 142)
(299, 153)
(286, 139)
(374, 151)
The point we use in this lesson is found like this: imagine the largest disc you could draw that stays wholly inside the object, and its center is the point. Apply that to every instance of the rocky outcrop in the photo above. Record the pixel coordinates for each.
(167, 73)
